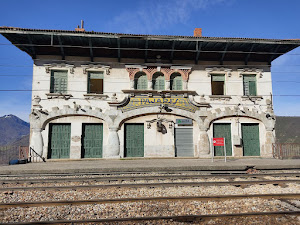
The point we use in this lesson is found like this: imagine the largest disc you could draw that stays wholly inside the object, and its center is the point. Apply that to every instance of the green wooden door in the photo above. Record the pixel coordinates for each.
(250, 134)
(223, 130)
(60, 138)
(134, 140)
(92, 140)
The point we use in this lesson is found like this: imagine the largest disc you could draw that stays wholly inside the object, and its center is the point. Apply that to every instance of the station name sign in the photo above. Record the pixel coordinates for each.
(175, 102)
(184, 122)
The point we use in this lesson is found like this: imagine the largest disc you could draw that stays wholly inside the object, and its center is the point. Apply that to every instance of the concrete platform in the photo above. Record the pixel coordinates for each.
(143, 165)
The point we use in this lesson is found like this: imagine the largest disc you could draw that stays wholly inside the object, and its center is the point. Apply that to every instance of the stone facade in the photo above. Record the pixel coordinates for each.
(77, 107)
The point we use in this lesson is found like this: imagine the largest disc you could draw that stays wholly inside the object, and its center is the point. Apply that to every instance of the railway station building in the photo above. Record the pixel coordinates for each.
(111, 95)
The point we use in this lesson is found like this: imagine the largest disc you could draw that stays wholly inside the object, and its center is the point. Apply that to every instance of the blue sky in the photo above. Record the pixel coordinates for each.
(217, 18)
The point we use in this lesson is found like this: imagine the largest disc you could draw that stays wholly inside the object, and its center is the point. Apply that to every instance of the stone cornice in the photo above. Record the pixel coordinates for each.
(95, 67)
(56, 66)
(217, 70)
(248, 71)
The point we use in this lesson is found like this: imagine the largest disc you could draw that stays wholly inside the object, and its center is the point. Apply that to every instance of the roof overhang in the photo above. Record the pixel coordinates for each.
(150, 48)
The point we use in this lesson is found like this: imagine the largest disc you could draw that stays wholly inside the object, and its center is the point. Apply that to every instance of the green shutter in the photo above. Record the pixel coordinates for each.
(142, 82)
(250, 134)
(92, 140)
(176, 83)
(134, 140)
(249, 85)
(59, 82)
(223, 130)
(60, 137)
(159, 82)
(218, 78)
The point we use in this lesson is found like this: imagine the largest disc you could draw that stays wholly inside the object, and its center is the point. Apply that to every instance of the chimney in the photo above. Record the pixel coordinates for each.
(198, 32)
(81, 28)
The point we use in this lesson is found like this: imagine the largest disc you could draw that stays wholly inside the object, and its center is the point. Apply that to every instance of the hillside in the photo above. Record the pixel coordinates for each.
(287, 129)
(12, 128)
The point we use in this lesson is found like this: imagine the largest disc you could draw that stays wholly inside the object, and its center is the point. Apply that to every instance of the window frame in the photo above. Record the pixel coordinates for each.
(53, 86)
(175, 84)
(139, 78)
(213, 84)
(89, 80)
(155, 78)
(247, 83)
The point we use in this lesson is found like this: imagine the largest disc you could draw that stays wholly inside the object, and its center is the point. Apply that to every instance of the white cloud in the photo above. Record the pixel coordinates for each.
(150, 16)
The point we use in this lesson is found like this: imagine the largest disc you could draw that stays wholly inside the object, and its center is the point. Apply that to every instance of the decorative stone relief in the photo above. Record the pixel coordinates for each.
(93, 67)
(95, 96)
(245, 71)
(218, 70)
(167, 71)
(76, 138)
(59, 96)
(55, 66)
(36, 102)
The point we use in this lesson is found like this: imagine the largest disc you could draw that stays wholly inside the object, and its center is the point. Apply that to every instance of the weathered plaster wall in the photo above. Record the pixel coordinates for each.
(117, 79)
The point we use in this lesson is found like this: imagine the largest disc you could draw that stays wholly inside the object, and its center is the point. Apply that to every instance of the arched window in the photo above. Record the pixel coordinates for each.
(176, 82)
(158, 81)
(140, 81)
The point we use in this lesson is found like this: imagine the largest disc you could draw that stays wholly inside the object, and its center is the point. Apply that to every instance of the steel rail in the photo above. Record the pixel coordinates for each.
(120, 172)
(136, 185)
(159, 199)
(201, 172)
(118, 178)
(182, 218)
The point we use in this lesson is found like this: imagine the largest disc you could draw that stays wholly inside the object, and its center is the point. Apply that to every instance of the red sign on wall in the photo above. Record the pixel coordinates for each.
(218, 141)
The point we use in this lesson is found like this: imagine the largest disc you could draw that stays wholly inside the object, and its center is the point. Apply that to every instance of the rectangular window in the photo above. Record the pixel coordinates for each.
(249, 85)
(59, 82)
(95, 82)
(218, 84)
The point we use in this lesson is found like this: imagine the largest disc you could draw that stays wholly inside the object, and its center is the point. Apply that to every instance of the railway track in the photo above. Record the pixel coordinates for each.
(148, 178)
(157, 199)
(160, 184)
(173, 219)
(169, 200)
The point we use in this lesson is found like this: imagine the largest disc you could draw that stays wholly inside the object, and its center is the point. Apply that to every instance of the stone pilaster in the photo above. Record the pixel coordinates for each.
(150, 85)
(203, 144)
(131, 84)
(36, 142)
(112, 149)
(184, 84)
(167, 85)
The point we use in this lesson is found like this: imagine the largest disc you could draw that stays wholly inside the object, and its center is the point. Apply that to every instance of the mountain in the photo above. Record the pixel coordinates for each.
(287, 129)
(12, 129)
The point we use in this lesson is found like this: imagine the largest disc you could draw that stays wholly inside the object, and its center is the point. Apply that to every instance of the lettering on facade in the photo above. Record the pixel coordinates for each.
(175, 102)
